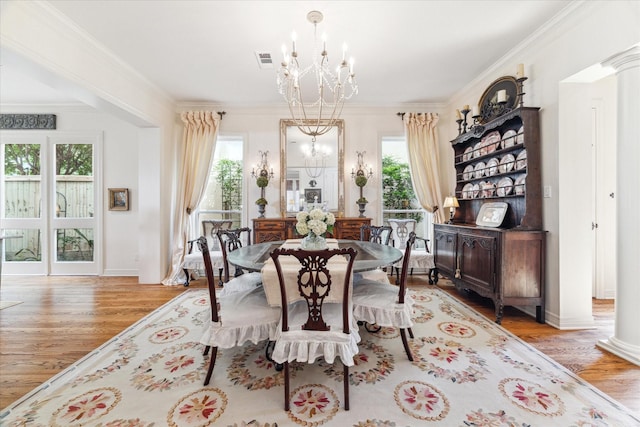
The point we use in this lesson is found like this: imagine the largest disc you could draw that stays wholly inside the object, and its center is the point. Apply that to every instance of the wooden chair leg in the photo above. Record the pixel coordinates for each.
(212, 363)
(405, 343)
(345, 374)
(286, 386)
(410, 333)
(206, 350)
(188, 276)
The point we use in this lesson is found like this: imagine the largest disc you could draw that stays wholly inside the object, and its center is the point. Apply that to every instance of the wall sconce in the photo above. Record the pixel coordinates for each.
(451, 202)
(361, 167)
(262, 166)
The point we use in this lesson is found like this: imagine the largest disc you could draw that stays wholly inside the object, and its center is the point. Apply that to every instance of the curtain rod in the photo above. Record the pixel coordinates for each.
(221, 114)
(401, 115)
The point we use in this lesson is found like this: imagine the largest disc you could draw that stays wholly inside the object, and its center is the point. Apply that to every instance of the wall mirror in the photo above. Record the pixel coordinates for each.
(311, 172)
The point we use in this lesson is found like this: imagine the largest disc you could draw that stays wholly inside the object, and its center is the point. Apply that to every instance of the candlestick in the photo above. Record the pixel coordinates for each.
(476, 111)
(458, 114)
(520, 71)
(502, 96)
(459, 122)
(465, 111)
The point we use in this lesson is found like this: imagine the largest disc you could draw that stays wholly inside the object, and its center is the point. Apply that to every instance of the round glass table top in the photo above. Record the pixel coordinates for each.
(370, 255)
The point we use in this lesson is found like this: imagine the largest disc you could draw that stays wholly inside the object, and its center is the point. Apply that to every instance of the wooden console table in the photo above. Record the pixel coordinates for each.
(275, 229)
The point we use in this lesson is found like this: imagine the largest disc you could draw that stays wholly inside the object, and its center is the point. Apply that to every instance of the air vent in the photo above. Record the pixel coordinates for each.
(264, 60)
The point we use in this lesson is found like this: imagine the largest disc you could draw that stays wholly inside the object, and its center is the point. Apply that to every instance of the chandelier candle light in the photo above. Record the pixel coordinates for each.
(326, 90)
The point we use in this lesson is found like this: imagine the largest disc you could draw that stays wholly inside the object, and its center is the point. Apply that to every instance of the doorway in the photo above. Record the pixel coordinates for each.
(50, 185)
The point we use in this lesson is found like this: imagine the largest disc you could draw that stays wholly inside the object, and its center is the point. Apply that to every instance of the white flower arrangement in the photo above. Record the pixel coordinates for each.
(316, 221)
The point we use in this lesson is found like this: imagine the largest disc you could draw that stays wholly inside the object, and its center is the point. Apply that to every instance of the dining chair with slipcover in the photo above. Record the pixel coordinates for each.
(237, 317)
(192, 262)
(387, 305)
(421, 257)
(319, 325)
(229, 241)
(380, 234)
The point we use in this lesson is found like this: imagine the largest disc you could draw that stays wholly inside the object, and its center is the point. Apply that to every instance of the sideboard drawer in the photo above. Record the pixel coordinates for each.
(269, 225)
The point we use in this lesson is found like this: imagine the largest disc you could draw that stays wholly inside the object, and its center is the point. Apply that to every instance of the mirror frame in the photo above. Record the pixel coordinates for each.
(284, 124)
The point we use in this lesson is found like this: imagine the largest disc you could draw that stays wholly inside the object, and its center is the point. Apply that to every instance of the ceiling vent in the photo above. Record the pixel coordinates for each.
(265, 62)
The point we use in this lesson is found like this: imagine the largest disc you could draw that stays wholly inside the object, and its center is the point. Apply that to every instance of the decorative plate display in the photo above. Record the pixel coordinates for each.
(491, 214)
(479, 169)
(489, 106)
(491, 141)
(519, 185)
(509, 138)
(506, 163)
(521, 160)
(467, 155)
(488, 189)
(467, 191)
(467, 174)
(520, 137)
(479, 150)
(476, 190)
(492, 167)
(504, 187)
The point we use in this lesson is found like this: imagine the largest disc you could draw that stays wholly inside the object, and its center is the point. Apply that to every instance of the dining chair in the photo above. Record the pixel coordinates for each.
(421, 257)
(387, 305)
(380, 234)
(192, 261)
(229, 241)
(312, 327)
(237, 317)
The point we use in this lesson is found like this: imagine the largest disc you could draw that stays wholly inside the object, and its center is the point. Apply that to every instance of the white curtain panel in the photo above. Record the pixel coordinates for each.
(424, 161)
(196, 155)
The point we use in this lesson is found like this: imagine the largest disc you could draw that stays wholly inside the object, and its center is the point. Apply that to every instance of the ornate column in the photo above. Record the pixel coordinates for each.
(626, 340)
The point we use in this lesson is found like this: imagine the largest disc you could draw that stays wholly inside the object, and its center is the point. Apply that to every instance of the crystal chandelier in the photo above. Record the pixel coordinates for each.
(315, 160)
(315, 116)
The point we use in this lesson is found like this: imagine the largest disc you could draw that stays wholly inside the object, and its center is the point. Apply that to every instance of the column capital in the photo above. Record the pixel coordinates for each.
(624, 60)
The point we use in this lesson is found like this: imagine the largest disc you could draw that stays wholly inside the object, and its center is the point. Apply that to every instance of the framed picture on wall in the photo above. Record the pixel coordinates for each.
(118, 199)
(310, 195)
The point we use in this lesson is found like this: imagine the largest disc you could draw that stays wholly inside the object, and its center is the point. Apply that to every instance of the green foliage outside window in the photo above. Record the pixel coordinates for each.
(397, 187)
(228, 175)
(71, 159)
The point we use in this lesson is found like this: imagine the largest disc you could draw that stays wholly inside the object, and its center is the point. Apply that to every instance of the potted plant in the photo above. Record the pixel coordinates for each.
(361, 181)
(262, 181)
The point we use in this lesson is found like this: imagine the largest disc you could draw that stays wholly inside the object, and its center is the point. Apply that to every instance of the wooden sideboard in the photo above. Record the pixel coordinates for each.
(274, 229)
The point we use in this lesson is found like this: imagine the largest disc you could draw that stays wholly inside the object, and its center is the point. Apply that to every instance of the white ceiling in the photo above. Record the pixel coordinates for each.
(204, 51)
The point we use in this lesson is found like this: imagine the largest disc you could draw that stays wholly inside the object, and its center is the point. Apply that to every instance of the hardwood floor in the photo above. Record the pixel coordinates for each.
(61, 319)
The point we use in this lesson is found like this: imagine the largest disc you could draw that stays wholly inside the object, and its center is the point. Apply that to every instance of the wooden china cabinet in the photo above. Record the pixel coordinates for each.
(498, 161)
(274, 229)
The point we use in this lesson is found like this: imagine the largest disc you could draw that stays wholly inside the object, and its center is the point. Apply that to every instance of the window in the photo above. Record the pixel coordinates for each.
(223, 196)
(398, 197)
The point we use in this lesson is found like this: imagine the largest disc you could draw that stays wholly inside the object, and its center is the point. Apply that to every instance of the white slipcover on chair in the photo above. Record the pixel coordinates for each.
(312, 328)
(229, 241)
(421, 257)
(235, 318)
(192, 262)
(376, 234)
(385, 304)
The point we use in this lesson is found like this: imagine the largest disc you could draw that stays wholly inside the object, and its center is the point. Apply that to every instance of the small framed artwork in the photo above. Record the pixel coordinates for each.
(118, 199)
(313, 195)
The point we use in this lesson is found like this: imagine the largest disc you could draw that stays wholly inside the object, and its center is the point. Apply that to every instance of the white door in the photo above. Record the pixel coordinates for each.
(50, 183)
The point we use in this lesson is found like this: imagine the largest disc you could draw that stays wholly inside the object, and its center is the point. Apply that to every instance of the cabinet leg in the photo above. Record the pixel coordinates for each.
(540, 314)
(499, 312)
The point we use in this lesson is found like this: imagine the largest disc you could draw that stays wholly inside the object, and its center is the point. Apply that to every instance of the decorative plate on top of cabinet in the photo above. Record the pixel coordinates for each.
(489, 106)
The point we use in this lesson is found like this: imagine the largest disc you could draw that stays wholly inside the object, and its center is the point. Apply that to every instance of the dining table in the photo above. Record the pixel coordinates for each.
(253, 258)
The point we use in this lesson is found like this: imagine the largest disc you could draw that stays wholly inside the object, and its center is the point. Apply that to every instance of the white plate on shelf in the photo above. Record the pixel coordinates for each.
(520, 137)
(506, 163)
(519, 184)
(479, 150)
(488, 189)
(492, 167)
(509, 138)
(521, 160)
(467, 191)
(479, 169)
(491, 141)
(467, 174)
(504, 187)
(475, 191)
(467, 155)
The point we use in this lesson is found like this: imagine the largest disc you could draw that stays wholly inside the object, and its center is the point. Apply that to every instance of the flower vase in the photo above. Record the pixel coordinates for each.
(313, 242)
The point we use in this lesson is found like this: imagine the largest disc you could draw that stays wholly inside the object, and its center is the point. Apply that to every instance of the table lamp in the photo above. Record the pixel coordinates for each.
(451, 202)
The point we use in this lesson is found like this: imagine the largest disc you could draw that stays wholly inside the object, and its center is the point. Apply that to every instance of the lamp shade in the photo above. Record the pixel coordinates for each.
(451, 202)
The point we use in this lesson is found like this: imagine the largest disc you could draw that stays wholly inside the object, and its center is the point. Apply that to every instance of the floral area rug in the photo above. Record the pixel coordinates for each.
(467, 372)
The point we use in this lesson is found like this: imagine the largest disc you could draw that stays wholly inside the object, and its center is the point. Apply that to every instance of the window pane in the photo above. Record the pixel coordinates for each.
(74, 244)
(22, 181)
(74, 180)
(25, 248)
